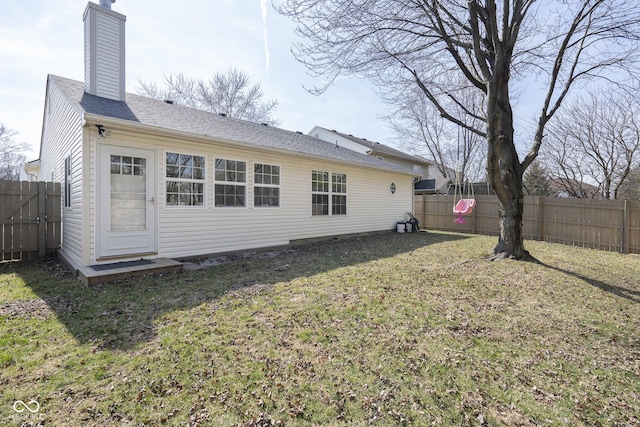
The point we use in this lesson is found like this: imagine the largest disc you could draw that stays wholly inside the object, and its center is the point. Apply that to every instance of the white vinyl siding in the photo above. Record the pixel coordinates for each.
(104, 53)
(108, 61)
(216, 230)
(188, 232)
(62, 143)
(87, 53)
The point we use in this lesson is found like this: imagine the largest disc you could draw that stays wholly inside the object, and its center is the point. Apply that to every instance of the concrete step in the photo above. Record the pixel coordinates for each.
(102, 273)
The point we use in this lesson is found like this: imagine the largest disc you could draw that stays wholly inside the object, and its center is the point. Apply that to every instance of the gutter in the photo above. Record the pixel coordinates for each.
(152, 130)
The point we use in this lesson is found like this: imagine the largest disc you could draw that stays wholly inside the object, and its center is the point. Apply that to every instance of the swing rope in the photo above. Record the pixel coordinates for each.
(462, 206)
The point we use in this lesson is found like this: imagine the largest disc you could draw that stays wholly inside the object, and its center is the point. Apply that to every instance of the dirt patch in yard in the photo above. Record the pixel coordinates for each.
(27, 309)
(197, 264)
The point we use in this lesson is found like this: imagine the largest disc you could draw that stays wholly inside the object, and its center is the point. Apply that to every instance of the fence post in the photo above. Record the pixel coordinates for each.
(42, 220)
(475, 220)
(625, 228)
(540, 218)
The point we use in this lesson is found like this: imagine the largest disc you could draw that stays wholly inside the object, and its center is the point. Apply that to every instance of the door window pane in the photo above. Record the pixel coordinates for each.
(128, 209)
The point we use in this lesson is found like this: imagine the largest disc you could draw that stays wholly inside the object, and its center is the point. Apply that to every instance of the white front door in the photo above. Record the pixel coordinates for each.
(126, 205)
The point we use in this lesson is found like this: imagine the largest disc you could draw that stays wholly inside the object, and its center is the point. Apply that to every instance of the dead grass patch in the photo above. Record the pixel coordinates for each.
(388, 330)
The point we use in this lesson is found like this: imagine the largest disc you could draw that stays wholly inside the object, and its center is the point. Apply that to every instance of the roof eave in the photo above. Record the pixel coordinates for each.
(90, 118)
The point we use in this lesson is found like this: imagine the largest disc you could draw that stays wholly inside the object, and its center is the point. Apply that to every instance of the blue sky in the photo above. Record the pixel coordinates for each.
(194, 37)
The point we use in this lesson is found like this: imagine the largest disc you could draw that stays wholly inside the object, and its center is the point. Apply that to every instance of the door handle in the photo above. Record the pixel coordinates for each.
(152, 200)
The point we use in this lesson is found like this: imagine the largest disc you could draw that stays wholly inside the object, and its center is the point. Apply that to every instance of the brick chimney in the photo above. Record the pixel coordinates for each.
(104, 59)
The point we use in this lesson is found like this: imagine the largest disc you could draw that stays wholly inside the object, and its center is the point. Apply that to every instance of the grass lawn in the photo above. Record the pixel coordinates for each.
(414, 329)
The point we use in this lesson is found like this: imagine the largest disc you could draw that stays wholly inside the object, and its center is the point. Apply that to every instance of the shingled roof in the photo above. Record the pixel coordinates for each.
(379, 148)
(156, 113)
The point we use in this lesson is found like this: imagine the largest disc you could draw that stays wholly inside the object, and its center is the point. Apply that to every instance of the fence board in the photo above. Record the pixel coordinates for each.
(634, 227)
(611, 225)
(29, 219)
(53, 216)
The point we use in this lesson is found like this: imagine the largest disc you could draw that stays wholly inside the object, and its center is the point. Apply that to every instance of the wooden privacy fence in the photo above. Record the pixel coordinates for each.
(29, 219)
(611, 225)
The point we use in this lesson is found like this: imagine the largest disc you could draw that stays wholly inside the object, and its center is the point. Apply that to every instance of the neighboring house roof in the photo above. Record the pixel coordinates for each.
(377, 148)
(560, 187)
(156, 113)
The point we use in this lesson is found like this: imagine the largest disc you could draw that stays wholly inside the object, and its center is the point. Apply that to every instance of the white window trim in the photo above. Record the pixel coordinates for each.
(395, 188)
(203, 181)
(68, 182)
(338, 193)
(254, 185)
(247, 175)
(330, 193)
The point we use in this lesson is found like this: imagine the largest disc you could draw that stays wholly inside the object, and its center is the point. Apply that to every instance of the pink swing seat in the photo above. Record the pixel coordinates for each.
(464, 206)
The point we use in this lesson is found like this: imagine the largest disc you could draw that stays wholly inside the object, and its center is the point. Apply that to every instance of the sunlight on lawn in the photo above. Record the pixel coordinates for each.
(397, 329)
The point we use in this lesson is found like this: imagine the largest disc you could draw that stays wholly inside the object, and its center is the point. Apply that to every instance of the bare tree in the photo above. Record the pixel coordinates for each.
(458, 152)
(492, 45)
(12, 156)
(228, 93)
(630, 188)
(595, 141)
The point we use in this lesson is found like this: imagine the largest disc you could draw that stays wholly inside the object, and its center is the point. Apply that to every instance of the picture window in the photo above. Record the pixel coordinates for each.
(185, 178)
(266, 190)
(328, 197)
(230, 187)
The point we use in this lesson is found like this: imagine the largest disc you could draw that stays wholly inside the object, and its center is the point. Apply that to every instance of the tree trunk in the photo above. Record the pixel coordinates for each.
(506, 180)
(511, 241)
(505, 173)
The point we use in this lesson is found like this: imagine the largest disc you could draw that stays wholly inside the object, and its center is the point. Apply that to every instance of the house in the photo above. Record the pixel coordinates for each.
(425, 186)
(419, 165)
(143, 178)
(571, 188)
(437, 184)
(430, 179)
